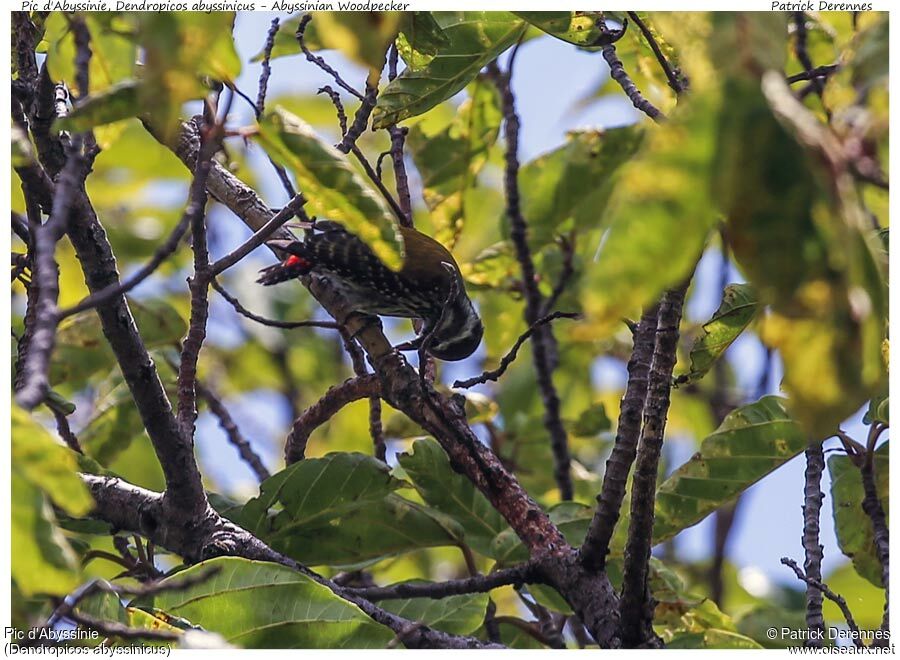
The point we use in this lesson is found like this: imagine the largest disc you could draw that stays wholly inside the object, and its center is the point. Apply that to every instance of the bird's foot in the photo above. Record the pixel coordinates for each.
(412, 345)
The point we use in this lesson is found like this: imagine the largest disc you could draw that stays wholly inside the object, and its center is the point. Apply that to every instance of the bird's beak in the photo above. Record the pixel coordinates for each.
(280, 243)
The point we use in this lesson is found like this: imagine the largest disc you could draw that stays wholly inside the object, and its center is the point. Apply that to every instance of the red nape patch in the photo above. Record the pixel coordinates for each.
(295, 261)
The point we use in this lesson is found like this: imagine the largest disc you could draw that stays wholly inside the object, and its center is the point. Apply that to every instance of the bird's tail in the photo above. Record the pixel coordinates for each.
(294, 266)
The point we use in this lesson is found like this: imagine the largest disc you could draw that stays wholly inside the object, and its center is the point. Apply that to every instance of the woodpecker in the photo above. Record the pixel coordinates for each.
(420, 289)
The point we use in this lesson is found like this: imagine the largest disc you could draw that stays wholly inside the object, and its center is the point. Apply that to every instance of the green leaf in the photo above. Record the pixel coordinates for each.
(112, 104)
(879, 410)
(659, 218)
(759, 619)
(826, 288)
(452, 494)
(574, 27)
(865, 600)
(389, 527)
(106, 606)
(476, 39)
(42, 560)
(421, 37)
(261, 605)
(334, 189)
(592, 421)
(738, 308)
(751, 442)
(113, 49)
(869, 55)
(115, 424)
(341, 509)
(458, 615)
(82, 350)
(495, 267)
(47, 465)
(712, 638)
(319, 489)
(573, 183)
(852, 526)
(179, 50)
(449, 161)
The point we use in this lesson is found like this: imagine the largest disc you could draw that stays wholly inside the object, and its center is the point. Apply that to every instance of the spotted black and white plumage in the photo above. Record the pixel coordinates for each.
(420, 289)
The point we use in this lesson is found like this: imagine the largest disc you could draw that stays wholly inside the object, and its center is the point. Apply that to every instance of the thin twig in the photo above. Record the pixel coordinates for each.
(260, 106)
(812, 548)
(210, 137)
(292, 208)
(628, 432)
(360, 119)
(837, 599)
(350, 134)
(871, 505)
(398, 137)
(543, 344)
(528, 627)
(66, 609)
(273, 323)
(320, 62)
(113, 629)
(162, 253)
(636, 606)
(358, 360)
(232, 432)
(508, 359)
(823, 71)
(337, 396)
(45, 279)
(514, 575)
(64, 430)
(617, 70)
(567, 246)
(671, 76)
(338, 107)
(816, 82)
(373, 176)
(266, 68)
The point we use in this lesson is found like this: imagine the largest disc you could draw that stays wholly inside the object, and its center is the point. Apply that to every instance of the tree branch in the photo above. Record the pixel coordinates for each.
(812, 565)
(871, 505)
(617, 71)
(235, 437)
(837, 599)
(543, 344)
(510, 357)
(266, 68)
(515, 575)
(198, 284)
(591, 595)
(637, 607)
(628, 431)
(135, 509)
(672, 76)
(335, 398)
(273, 323)
(162, 253)
(398, 137)
(45, 282)
(358, 360)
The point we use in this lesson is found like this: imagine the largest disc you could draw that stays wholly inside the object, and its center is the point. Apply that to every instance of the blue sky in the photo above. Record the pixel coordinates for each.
(770, 519)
